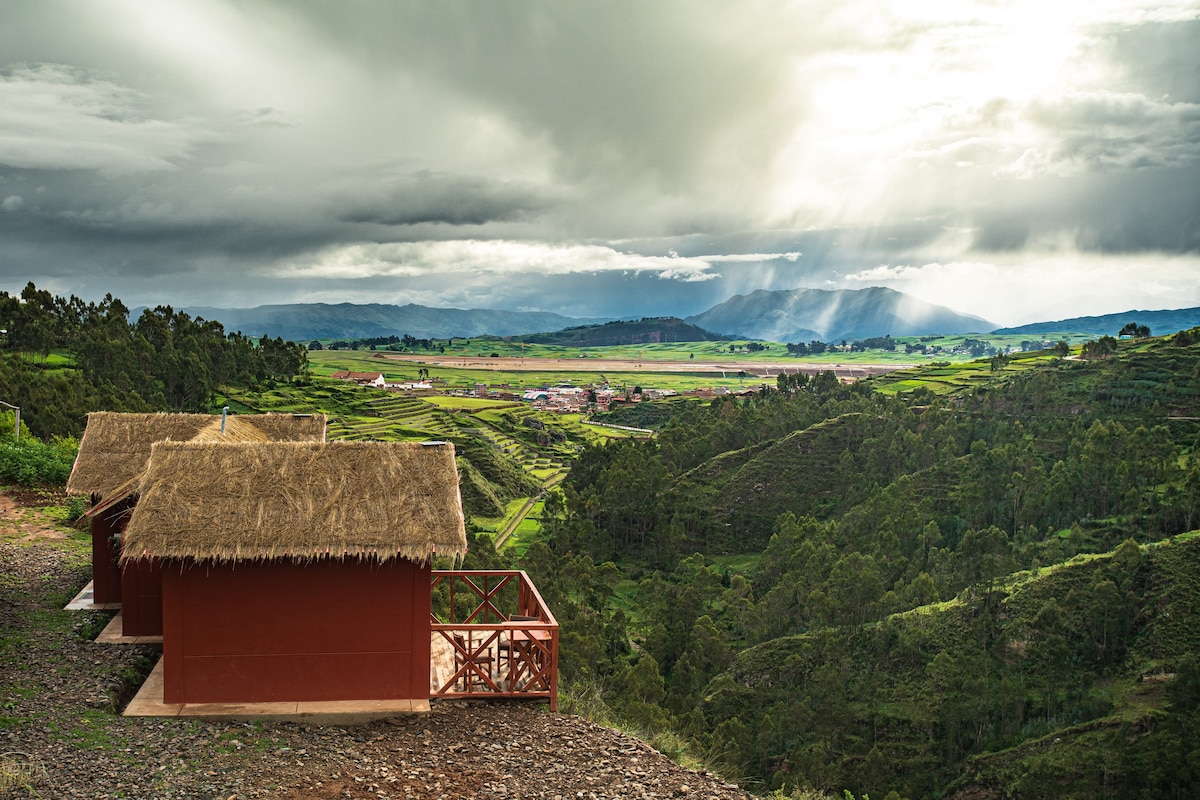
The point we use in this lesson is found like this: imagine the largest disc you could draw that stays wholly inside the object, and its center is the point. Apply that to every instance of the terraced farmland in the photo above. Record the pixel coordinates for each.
(542, 449)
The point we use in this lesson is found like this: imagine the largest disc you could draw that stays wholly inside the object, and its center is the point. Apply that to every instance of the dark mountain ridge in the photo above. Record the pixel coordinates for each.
(305, 321)
(1160, 323)
(801, 315)
(796, 315)
(648, 330)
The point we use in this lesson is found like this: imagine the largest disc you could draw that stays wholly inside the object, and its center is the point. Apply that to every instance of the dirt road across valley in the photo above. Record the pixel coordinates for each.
(730, 368)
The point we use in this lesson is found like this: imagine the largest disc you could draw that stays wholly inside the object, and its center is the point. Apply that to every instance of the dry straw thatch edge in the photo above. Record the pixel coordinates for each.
(301, 501)
(116, 445)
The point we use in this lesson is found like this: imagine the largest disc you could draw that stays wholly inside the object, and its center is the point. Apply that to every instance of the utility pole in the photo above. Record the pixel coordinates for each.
(17, 425)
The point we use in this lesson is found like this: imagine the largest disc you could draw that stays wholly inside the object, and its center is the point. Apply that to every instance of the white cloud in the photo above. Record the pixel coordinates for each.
(497, 257)
(54, 116)
(13, 202)
(751, 258)
(1021, 288)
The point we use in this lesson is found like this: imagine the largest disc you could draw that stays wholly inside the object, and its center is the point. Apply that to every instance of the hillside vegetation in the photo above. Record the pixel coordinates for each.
(64, 358)
(988, 591)
(969, 580)
(648, 330)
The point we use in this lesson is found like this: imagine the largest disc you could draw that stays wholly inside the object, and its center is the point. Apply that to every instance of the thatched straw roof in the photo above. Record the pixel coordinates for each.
(243, 502)
(115, 447)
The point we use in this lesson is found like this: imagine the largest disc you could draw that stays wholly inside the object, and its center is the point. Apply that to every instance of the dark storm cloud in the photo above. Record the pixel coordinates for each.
(1105, 131)
(1150, 210)
(446, 199)
(586, 154)
(620, 90)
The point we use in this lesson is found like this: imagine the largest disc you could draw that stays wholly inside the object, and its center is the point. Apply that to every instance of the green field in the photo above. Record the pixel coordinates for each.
(326, 362)
(953, 377)
(358, 413)
(472, 404)
(484, 347)
(464, 364)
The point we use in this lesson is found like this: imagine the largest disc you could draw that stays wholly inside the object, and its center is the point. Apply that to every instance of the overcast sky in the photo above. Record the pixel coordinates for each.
(1020, 160)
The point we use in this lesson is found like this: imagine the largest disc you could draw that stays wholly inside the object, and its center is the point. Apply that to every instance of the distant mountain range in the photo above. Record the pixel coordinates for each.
(801, 315)
(1160, 323)
(797, 315)
(307, 321)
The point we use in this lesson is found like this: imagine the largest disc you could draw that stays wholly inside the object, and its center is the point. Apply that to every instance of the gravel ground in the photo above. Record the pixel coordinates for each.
(61, 735)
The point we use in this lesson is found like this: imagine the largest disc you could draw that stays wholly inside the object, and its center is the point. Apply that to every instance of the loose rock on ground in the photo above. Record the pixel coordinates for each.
(61, 735)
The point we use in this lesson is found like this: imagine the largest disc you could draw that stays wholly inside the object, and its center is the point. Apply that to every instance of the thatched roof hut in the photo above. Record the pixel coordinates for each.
(219, 502)
(116, 446)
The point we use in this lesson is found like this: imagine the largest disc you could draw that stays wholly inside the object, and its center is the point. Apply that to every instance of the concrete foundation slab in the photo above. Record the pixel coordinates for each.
(85, 601)
(112, 634)
(149, 703)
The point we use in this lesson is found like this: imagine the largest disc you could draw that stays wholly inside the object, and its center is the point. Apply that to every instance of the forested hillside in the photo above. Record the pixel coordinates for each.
(61, 358)
(648, 330)
(989, 592)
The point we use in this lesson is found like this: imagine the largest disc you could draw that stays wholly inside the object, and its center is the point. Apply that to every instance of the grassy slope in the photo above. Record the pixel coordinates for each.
(501, 461)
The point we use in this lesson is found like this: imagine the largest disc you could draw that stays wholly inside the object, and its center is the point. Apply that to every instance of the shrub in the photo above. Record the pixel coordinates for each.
(30, 461)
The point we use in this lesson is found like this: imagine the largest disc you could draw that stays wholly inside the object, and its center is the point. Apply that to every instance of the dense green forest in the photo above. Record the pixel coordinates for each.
(826, 587)
(164, 360)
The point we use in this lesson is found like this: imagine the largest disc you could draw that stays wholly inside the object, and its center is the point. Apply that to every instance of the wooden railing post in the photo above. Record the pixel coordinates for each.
(478, 643)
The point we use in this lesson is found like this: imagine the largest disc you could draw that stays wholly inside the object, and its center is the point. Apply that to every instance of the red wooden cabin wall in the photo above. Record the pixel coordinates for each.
(141, 598)
(279, 631)
(106, 572)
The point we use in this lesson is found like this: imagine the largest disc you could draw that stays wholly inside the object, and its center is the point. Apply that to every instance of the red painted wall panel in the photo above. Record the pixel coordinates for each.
(106, 573)
(141, 598)
(301, 677)
(278, 631)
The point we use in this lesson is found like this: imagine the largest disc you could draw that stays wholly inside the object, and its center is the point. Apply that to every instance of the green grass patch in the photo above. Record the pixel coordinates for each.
(528, 531)
(91, 732)
(737, 564)
(468, 403)
(497, 524)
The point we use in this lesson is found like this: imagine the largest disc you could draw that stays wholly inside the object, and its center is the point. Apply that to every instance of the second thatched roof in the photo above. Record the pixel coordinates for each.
(115, 446)
(257, 501)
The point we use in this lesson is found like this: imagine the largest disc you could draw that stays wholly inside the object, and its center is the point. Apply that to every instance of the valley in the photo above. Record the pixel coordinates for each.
(964, 578)
(604, 364)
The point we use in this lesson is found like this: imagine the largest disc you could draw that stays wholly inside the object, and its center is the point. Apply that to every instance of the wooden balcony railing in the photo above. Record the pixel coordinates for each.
(492, 636)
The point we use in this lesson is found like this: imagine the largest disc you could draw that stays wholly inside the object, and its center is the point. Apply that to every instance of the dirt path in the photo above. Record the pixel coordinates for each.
(757, 369)
(23, 516)
(502, 537)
